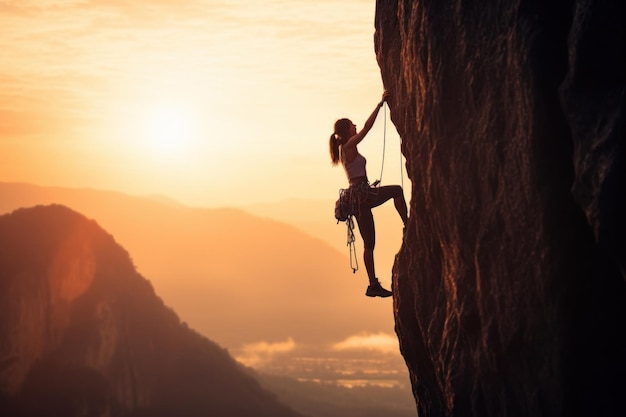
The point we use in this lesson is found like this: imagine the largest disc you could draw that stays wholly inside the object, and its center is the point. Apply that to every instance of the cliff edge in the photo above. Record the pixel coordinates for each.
(509, 288)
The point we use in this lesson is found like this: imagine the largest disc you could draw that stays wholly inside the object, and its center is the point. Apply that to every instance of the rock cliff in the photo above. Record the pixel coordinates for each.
(509, 288)
(83, 334)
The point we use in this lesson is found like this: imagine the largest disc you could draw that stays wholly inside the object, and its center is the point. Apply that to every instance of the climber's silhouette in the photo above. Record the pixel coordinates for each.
(343, 148)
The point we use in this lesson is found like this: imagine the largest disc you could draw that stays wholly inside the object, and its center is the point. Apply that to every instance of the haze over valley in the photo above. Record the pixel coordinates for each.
(279, 299)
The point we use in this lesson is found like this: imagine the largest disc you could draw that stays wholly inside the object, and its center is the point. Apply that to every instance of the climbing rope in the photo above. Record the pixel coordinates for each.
(351, 243)
(401, 167)
(382, 165)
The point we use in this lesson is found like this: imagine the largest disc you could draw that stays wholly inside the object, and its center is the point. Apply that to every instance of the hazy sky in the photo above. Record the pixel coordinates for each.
(211, 102)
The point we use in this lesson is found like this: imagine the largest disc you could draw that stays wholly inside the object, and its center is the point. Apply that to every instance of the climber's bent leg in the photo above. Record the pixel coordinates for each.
(387, 192)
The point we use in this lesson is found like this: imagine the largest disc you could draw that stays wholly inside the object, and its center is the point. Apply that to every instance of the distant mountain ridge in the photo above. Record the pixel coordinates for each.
(84, 334)
(233, 276)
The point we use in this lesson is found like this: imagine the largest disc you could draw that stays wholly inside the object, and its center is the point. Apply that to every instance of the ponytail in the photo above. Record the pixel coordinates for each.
(334, 148)
(339, 137)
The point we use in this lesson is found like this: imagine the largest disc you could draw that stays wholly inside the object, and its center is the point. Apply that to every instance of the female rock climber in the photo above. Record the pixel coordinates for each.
(343, 148)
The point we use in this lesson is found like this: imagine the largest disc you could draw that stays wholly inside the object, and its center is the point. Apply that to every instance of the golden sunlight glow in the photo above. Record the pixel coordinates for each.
(148, 99)
(169, 128)
(225, 107)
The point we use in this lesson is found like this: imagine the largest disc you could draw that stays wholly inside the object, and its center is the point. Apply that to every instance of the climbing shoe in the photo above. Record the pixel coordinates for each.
(376, 290)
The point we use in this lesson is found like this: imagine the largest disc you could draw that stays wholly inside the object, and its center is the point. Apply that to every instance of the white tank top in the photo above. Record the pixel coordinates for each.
(355, 168)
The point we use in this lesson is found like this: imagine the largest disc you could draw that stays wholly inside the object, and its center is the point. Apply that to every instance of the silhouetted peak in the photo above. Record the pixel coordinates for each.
(85, 334)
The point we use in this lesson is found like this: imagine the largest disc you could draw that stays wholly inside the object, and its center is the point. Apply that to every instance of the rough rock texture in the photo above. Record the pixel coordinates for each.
(83, 334)
(509, 288)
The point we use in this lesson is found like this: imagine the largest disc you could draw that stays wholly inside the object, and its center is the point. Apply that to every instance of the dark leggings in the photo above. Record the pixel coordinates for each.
(364, 217)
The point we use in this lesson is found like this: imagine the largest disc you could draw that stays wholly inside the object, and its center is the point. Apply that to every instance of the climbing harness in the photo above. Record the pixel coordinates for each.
(346, 207)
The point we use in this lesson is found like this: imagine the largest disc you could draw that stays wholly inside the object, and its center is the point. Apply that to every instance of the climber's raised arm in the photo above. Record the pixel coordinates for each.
(359, 136)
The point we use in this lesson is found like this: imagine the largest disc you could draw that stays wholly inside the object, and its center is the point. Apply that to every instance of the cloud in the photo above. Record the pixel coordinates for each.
(250, 49)
(261, 352)
(383, 342)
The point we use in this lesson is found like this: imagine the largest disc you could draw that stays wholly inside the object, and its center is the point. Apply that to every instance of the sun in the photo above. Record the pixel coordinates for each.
(169, 128)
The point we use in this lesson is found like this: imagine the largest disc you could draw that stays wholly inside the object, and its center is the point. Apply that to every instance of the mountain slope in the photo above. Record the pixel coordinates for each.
(316, 218)
(232, 276)
(84, 334)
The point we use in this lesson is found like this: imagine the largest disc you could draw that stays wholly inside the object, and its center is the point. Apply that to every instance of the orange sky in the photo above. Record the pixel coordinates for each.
(210, 102)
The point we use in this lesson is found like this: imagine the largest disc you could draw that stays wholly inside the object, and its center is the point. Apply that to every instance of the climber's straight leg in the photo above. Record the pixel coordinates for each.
(365, 220)
(375, 197)
(366, 226)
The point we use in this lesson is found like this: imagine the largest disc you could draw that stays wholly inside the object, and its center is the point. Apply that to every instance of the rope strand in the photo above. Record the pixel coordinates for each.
(401, 169)
(382, 165)
(352, 245)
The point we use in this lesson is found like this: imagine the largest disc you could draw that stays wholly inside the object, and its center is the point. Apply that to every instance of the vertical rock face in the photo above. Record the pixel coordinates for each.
(83, 334)
(509, 287)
